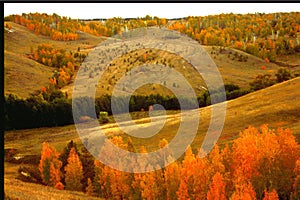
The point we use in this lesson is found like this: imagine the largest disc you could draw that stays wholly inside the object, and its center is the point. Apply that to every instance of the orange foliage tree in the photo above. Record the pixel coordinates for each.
(217, 188)
(244, 191)
(270, 195)
(266, 159)
(296, 185)
(90, 188)
(49, 166)
(111, 182)
(186, 173)
(172, 179)
(74, 173)
(260, 164)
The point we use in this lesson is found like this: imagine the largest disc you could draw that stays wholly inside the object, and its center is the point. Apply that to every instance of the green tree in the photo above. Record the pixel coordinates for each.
(74, 172)
(49, 165)
(103, 117)
(63, 157)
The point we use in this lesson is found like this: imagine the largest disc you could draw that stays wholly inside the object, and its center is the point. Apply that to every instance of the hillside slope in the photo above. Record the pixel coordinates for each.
(278, 106)
(23, 75)
(238, 72)
(15, 189)
(231, 69)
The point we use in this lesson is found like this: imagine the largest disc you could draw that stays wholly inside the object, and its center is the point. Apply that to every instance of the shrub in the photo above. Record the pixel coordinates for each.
(297, 48)
(236, 93)
(9, 154)
(262, 81)
(283, 74)
(231, 87)
(103, 117)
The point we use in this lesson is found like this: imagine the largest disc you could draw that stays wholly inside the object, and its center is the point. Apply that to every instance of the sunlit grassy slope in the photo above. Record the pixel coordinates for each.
(23, 75)
(16, 189)
(278, 106)
(231, 69)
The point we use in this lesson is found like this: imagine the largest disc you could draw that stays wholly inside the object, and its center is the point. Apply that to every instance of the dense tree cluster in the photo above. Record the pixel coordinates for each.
(66, 29)
(54, 26)
(37, 111)
(260, 164)
(118, 25)
(51, 107)
(57, 58)
(262, 35)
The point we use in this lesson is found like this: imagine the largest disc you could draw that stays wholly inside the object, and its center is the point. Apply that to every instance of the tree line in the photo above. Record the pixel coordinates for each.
(260, 34)
(260, 164)
(51, 107)
(263, 35)
(54, 108)
(66, 29)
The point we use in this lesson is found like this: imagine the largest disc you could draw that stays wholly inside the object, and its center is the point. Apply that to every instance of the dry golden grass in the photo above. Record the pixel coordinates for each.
(240, 73)
(278, 105)
(292, 60)
(23, 75)
(119, 68)
(232, 71)
(16, 189)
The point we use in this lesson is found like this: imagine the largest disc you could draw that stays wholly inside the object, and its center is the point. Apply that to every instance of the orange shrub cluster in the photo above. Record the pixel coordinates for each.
(60, 59)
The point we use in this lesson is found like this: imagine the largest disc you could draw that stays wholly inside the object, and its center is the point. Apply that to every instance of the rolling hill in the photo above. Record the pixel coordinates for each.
(232, 69)
(23, 75)
(278, 106)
